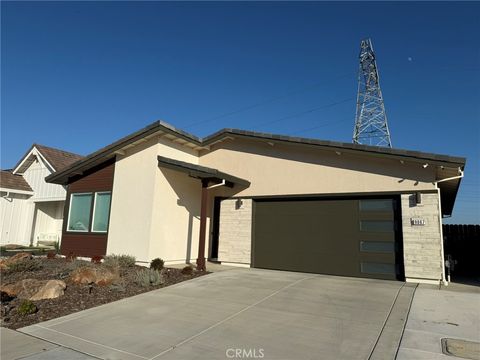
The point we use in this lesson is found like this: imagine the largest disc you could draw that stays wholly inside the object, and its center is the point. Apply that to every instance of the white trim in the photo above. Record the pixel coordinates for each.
(94, 208)
(23, 192)
(34, 151)
(52, 199)
(70, 209)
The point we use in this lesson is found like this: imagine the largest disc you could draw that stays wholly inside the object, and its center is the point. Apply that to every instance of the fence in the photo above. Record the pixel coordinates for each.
(462, 243)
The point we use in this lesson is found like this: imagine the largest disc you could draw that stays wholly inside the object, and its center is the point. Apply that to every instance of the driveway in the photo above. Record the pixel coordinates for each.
(243, 313)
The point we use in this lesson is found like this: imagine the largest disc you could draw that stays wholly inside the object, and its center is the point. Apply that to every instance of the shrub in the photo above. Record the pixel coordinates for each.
(97, 259)
(187, 270)
(71, 256)
(51, 255)
(149, 277)
(27, 307)
(25, 265)
(157, 264)
(75, 264)
(122, 261)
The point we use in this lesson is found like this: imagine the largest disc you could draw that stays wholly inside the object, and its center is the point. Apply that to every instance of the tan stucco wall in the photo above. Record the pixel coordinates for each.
(283, 170)
(422, 245)
(155, 212)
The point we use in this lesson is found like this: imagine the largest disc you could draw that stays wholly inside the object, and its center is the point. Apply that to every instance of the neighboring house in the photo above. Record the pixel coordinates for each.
(262, 200)
(30, 208)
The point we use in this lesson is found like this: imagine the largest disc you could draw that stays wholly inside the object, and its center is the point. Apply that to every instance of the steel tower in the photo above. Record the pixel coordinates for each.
(371, 126)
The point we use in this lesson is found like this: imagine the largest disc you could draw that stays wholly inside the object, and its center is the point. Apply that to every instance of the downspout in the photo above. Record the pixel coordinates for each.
(444, 279)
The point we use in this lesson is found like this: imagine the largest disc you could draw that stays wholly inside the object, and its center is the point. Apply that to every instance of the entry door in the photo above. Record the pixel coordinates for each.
(348, 237)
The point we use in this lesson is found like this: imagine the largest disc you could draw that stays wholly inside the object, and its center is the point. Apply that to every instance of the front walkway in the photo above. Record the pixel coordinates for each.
(453, 312)
(243, 313)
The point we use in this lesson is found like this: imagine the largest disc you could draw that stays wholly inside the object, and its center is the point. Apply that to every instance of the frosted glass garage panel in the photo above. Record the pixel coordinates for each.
(79, 215)
(377, 225)
(101, 212)
(377, 268)
(376, 205)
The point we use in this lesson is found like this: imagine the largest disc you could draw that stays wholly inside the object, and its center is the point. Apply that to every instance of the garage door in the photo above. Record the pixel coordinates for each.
(348, 237)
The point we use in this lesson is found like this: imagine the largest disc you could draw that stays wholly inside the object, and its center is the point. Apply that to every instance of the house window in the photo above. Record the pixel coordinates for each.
(79, 214)
(81, 218)
(101, 211)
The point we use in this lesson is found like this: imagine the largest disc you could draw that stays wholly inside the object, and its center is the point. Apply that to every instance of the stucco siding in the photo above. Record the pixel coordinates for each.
(154, 211)
(422, 244)
(289, 170)
(235, 233)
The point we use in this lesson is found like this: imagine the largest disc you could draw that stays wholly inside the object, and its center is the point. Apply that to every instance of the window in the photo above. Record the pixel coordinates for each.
(376, 205)
(79, 214)
(377, 246)
(81, 218)
(101, 211)
(377, 268)
(376, 226)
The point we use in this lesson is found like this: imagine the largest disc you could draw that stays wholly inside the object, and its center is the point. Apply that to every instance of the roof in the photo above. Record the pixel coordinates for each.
(8, 180)
(450, 163)
(200, 172)
(58, 159)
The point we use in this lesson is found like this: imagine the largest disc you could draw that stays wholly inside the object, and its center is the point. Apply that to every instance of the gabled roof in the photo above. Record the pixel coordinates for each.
(449, 164)
(56, 158)
(8, 180)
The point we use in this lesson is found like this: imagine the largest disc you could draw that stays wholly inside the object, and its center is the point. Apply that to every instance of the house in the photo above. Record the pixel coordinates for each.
(262, 200)
(31, 209)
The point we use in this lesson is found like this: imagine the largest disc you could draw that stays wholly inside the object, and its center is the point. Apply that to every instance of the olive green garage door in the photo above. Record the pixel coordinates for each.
(348, 237)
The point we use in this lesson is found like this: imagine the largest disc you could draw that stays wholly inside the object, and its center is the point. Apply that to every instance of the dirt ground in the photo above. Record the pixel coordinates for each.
(76, 297)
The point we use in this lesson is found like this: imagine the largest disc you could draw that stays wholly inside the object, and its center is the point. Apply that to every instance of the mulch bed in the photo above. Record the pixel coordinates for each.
(76, 297)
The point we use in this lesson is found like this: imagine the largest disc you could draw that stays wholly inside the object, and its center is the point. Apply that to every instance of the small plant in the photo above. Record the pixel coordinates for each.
(187, 270)
(25, 266)
(97, 259)
(75, 264)
(27, 307)
(157, 264)
(149, 277)
(118, 286)
(51, 255)
(57, 247)
(71, 256)
(122, 261)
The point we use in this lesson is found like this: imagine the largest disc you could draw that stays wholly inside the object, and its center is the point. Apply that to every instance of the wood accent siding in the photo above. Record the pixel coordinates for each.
(87, 244)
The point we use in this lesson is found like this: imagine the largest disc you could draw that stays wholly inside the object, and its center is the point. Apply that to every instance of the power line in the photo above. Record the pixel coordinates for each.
(305, 112)
(321, 126)
(268, 101)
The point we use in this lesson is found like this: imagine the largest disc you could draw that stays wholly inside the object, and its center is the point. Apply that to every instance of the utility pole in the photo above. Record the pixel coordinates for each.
(371, 126)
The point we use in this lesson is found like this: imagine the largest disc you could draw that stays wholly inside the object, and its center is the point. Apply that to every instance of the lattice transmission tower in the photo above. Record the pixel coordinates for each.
(371, 126)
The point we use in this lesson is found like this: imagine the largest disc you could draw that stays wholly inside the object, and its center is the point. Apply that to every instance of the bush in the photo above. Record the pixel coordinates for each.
(27, 307)
(122, 261)
(187, 270)
(25, 265)
(75, 264)
(51, 255)
(157, 264)
(149, 277)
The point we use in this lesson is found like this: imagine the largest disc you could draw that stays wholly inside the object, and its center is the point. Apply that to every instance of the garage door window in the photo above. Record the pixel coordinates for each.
(377, 268)
(376, 205)
(377, 246)
(376, 225)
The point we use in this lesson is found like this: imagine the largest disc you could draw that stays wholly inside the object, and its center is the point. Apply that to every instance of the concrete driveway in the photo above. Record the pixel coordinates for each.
(240, 314)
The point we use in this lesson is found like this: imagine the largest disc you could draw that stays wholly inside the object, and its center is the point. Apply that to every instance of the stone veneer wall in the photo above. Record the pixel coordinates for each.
(422, 245)
(235, 233)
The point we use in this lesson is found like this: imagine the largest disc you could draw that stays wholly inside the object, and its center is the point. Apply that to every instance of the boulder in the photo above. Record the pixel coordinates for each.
(32, 289)
(98, 275)
(5, 263)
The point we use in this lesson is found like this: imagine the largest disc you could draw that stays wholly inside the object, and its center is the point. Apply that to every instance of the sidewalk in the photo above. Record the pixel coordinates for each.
(452, 312)
(16, 345)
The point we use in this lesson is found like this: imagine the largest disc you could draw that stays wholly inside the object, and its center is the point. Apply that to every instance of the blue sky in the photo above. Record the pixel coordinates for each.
(79, 75)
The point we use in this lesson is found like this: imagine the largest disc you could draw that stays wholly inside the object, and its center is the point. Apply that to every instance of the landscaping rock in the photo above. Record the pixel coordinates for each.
(32, 289)
(5, 263)
(101, 276)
